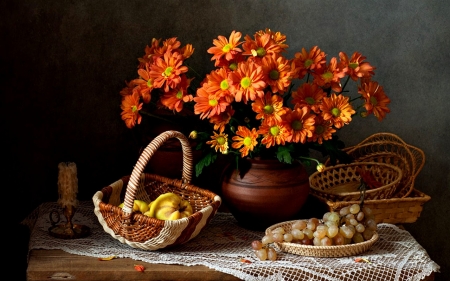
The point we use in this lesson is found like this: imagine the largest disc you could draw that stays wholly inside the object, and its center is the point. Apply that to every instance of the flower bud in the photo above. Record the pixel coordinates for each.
(320, 167)
(193, 135)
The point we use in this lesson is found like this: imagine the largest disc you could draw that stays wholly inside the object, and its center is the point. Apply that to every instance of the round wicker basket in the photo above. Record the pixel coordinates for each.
(320, 251)
(341, 182)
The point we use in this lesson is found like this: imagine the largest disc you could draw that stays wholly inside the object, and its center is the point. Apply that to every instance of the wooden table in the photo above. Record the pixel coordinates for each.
(47, 265)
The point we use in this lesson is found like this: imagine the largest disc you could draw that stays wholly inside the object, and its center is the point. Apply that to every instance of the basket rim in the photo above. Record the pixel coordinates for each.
(355, 193)
(321, 251)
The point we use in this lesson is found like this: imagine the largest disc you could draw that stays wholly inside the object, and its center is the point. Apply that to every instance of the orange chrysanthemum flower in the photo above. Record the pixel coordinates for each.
(177, 97)
(149, 53)
(376, 100)
(357, 67)
(337, 109)
(279, 38)
(207, 104)
(224, 48)
(273, 134)
(323, 130)
(329, 77)
(309, 95)
(166, 71)
(219, 142)
(245, 140)
(144, 83)
(248, 81)
(221, 120)
(299, 124)
(130, 110)
(270, 108)
(278, 72)
(307, 62)
(262, 45)
(220, 85)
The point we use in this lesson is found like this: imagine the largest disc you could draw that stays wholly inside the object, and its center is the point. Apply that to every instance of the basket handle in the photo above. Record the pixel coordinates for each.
(145, 157)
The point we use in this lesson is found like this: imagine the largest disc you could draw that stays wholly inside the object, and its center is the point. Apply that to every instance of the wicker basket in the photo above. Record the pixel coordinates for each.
(391, 149)
(392, 210)
(320, 251)
(340, 182)
(140, 231)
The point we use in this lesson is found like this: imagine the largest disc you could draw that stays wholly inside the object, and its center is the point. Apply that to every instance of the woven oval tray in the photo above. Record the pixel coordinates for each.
(320, 251)
(340, 182)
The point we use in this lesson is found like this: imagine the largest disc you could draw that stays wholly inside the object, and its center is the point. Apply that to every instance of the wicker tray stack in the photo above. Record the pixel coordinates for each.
(405, 203)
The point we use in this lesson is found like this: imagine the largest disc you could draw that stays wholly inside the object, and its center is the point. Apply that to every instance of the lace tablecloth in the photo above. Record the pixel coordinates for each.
(222, 244)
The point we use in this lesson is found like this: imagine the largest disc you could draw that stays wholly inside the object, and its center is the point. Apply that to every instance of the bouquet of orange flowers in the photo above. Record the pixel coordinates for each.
(257, 111)
(257, 103)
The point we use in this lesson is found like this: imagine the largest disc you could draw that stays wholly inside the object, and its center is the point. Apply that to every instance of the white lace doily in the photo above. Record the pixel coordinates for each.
(221, 245)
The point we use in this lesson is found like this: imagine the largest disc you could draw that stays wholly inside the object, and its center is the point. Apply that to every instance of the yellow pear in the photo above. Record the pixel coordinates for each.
(140, 206)
(170, 206)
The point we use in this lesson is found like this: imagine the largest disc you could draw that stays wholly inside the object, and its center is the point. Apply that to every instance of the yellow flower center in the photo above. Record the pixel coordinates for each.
(150, 83)
(308, 63)
(179, 95)
(353, 65)
(233, 66)
(246, 82)
(327, 75)
(247, 141)
(268, 109)
(373, 101)
(168, 71)
(319, 129)
(261, 52)
(297, 125)
(336, 111)
(213, 103)
(274, 74)
(134, 108)
(310, 100)
(224, 85)
(221, 140)
(226, 48)
(274, 131)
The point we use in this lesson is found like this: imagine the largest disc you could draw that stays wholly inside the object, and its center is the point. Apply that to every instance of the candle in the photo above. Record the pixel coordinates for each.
(67, 184)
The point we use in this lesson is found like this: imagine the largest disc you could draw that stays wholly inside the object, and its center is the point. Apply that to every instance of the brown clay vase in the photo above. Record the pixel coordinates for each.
(269, 192)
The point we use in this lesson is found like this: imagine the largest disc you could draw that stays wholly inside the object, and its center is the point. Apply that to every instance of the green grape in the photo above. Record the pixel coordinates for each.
(367, 234)
(357, 238)
(332, 231)
(326, 241)
(360, 216)
(325, 216)
(300, 224)
(321, 231)
(344, 211)
(271, 254)
(267, 239)
(334, 217)
(278, 237)
(355, 208)
(338, 239)
(371, 224)
(261, 254)
(297, 234)
(279, 230)
(256, 245)
(309, 233)
(360, 227)
(346, 231)
(287, 237)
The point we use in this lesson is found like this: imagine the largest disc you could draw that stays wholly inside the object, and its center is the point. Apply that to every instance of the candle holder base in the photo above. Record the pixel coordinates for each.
(64, 232)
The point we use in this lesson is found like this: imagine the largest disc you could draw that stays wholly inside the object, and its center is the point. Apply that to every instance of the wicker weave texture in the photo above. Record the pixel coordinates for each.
(320, 251)
(391, 210)
(391, 149)
(148, 233)
(340, 182)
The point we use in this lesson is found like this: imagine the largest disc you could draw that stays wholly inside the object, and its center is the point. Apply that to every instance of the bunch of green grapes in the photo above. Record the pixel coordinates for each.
(352, 224)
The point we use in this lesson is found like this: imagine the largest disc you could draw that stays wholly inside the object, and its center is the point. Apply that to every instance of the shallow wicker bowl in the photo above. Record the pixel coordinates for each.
(341, 182)
(320, 251)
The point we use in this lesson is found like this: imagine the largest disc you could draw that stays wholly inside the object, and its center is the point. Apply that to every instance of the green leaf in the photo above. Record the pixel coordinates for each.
(284, 154)
(207, 160)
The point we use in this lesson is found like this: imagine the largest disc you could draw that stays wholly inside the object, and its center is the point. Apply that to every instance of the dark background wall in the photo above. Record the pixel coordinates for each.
(63, 63)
